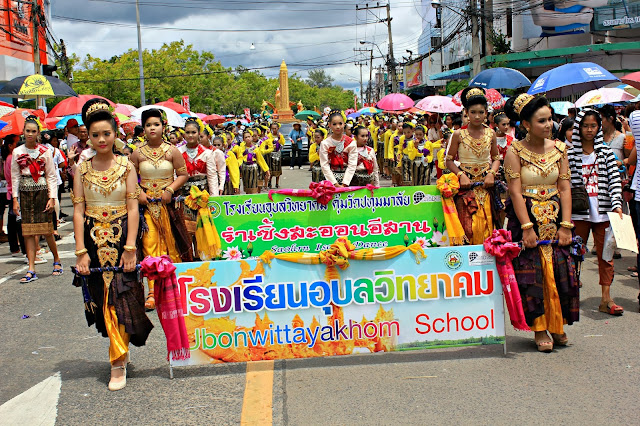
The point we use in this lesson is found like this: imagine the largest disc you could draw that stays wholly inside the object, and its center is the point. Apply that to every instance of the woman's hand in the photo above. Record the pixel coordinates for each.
(489, 180)
(142, 198)
(51, 204)
(465, 182)
(619, 211)
(529, 238)
(16, 207)
(82, 264)
(128, 261)
(166, 197)
(564, 236)
(236, 190)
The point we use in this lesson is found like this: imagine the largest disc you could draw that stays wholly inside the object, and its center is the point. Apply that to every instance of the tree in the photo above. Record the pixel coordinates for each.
(319, 78)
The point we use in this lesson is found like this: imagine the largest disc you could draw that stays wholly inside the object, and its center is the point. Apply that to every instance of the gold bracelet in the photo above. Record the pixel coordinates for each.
(169, 190)
(81, 252)
(493, 172)
(459, 173)
(449, 157)
(496, 157)
(130, 248)
(526, 226)
(567, 225)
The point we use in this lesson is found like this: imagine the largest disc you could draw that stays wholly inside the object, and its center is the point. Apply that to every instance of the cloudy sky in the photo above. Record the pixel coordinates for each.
(105, 28)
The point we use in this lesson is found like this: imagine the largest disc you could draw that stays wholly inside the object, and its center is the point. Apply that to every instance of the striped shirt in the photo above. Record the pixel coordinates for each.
(634, 123)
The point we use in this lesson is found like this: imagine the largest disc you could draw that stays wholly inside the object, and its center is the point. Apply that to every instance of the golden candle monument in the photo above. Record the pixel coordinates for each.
(283, 114)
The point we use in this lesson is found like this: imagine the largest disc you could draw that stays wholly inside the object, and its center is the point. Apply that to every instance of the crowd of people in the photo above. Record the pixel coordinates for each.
(128, 192)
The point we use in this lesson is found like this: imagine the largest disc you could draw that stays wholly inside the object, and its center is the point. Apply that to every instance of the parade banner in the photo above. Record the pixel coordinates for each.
(249, 310)
(250, 224)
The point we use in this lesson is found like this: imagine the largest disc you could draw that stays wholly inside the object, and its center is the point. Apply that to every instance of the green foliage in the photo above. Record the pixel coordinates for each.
(319, 78)
(501, 44)
(184, 71)
(454, 87)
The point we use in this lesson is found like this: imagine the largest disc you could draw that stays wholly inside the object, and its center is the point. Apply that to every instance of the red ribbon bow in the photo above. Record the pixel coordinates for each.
(35, 166)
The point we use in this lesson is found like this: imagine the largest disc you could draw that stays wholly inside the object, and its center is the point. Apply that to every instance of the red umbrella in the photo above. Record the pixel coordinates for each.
(395, 102)
(174, 106)
(214, 119)
(632, 79)
(51, 122)
(73, 105)
(16, 119)
(495, 99)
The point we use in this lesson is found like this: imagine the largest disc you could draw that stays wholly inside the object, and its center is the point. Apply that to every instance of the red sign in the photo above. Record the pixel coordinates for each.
(17, 38)
(185, 103)
(247, 114)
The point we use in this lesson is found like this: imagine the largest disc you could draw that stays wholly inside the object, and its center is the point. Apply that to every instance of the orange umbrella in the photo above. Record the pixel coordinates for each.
(15, 120)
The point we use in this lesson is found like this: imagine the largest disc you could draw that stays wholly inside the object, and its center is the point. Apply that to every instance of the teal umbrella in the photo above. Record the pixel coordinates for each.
(304, 114)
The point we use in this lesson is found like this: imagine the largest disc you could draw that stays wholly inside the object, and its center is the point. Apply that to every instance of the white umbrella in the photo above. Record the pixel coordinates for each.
(173, 118)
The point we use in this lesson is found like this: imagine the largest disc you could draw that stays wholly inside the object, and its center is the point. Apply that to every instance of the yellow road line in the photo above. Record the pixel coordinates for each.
(258, 394)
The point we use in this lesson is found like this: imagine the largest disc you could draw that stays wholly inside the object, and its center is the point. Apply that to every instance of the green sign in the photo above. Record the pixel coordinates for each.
(250, 224)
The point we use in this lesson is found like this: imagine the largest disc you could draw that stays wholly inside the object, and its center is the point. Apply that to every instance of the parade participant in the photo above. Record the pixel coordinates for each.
(593, 165)
(389, 135)
(232, 178)
(379, 142)
(205, 137)
(35, 190)
(314, 157)
(156, 162)
(367, 168)
(540, 208)
(274, 151)
(105, 222)
(220, 159)
(338, 154)
(565, 134)
(173, 137)
(421, 156)
(348, 128)
(477, 151)
(252, 158)
(502, 128)
(404, 147)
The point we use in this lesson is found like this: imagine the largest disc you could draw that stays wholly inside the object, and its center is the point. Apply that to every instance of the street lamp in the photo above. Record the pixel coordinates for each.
(253, 47)
(475, 39)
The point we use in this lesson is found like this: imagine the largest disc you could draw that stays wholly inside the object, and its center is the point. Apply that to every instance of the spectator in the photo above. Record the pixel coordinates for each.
(296, 136)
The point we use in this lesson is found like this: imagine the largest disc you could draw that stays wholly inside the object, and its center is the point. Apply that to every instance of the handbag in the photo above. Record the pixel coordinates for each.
(579, 199)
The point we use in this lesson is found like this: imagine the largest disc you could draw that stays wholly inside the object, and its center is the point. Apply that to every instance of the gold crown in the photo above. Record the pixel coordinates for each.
(521, 101)
(475, 92)
(98, 106)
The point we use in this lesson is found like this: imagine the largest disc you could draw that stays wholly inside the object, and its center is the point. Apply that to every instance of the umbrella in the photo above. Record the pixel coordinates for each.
(4, 109)
(125, 109)
(369, 111)
(500, 78)
(572, 78)
(174, 106)
(15, 120)
(200, 115)
(632, 79)
(36, 85)
(494, 98)
(353, 115)
(50, 122)
(64, 120)
(173, 118)
(629, 89)
(214, 119)
(562, 107)
(395, 102)
(415, 110)
(73, 105)
(2, 124)
(604, 95)
(306, 113)
(439, 104)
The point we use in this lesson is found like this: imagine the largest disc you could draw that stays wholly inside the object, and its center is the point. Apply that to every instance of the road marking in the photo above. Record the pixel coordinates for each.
(257, 404)
(35, 406)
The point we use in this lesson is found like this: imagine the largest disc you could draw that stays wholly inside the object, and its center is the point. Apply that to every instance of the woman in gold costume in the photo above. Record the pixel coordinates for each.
(156, 161)
(540, 208)
(476, 149)
(105, 222)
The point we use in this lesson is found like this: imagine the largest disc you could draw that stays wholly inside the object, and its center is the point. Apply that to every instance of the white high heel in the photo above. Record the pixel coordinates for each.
(123, 382)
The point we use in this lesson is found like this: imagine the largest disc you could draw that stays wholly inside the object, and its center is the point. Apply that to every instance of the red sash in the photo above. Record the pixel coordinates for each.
(197, 166)
(339, 161)
(36, 166)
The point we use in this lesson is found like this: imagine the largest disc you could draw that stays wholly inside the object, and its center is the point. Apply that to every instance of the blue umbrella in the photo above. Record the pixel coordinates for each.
(354, 115)
(500, 78)
(63, 123)
(2, 124)
(572, 78)
(562, 108)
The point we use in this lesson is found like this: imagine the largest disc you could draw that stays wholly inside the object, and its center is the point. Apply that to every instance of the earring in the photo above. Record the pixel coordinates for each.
(528, 137)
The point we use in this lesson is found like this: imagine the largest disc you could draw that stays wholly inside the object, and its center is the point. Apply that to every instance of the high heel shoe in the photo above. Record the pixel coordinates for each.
(120, 384)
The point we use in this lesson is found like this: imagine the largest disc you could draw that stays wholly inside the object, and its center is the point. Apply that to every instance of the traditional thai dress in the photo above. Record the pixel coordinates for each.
(274, 159)
(203, 174)
(167, 233)
(421, 156)
(546, 275)
(367, 171)
(338, 159)
(232, 177)
(314, 160)
(475, 206)
(504, 142)
(395, 164)
(116, 300)
(404, 165)
(389, 136)
(33, 174)
(266, 146)
(252, 161)
(380, 145)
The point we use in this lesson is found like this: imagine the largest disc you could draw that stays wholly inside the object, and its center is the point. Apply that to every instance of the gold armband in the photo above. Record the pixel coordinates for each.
(460, 173)
(182, 169)
(567, 225)
(135, 194)
(81, 252)
(492, 172)
(565, 176)
(526, 226)
(449, 157)
(130, 248)
(496, 157)
(76, 200)
(510, 173)
(169, 190)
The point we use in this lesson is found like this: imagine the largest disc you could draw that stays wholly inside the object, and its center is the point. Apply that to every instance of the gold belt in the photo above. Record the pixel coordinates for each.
(539, 192)
(155, 187)
(106, 213)
(475, 170)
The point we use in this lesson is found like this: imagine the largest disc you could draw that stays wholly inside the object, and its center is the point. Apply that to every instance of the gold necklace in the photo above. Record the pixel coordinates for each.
(155, 155)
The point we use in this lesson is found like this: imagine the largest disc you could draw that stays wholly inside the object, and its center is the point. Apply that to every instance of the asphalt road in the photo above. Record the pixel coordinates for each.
(594, 380)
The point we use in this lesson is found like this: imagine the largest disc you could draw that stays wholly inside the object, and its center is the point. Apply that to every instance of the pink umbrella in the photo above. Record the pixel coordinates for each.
(439, 104)
(125, 109)
(201, 115)
(495, 99)
(604, 95)
(395, 102)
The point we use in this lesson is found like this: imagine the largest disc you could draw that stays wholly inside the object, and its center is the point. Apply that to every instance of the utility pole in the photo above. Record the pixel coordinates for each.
(140, 64)
(35, 10)
(369, 94)
(475, 37)
(360, 64)
(391, 62)
(370, 51)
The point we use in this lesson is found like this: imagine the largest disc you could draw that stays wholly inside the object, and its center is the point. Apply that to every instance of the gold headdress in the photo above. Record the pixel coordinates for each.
(474, 92)
(521, 102)
(98, 106)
